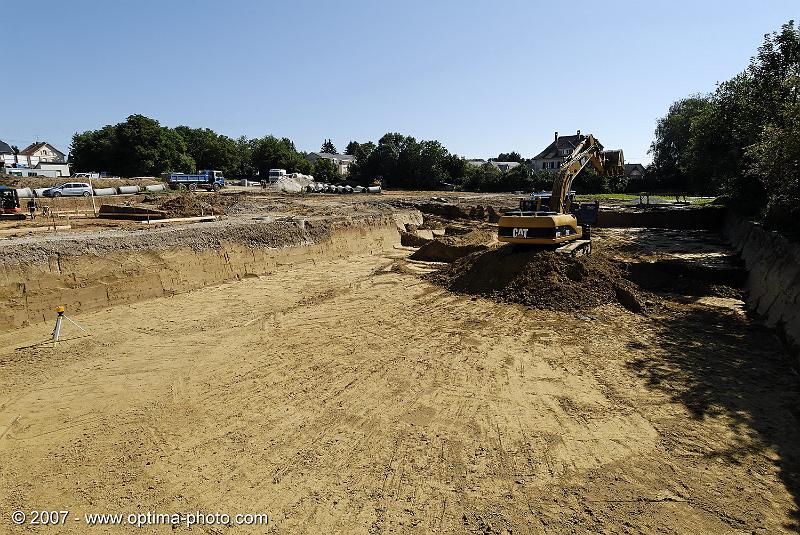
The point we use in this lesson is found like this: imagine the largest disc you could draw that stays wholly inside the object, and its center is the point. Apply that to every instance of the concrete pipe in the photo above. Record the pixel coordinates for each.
(155, 187)
(374, 189)
(102, 192)
(24, 193)
(359, 189)
(128, 189)
(348, 189)
(39, 192)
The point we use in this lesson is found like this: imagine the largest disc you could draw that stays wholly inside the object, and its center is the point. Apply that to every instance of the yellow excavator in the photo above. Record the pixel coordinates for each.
(560, 224)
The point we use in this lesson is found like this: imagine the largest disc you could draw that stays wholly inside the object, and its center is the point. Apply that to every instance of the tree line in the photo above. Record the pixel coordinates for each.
(741, 141)
(140, 146)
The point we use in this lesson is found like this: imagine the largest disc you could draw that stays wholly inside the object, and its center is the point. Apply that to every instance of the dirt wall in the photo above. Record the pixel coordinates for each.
(773, 280)
(91, 274)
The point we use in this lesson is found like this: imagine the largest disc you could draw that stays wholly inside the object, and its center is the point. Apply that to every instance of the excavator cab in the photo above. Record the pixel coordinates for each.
(613, 162)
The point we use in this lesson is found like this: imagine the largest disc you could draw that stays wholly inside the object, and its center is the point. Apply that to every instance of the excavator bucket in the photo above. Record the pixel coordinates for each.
(613, 162)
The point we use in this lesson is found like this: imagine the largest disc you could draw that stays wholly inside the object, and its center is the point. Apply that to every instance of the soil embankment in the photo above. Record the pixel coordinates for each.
(86, 274)
(773, 280)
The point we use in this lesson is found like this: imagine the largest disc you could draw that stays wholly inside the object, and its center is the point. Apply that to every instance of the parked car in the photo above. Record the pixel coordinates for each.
(70, 189)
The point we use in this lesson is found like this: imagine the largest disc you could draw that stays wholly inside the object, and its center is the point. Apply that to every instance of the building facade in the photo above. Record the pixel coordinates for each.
(342, 161)
(44, 152)
(39, 158)
(551, 158)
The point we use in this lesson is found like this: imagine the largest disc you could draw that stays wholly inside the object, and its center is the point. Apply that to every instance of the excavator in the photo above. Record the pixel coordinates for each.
(9, 204)
(562, 224)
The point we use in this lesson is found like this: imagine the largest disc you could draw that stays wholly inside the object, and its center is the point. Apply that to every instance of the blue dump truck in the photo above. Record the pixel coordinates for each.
(205, 179)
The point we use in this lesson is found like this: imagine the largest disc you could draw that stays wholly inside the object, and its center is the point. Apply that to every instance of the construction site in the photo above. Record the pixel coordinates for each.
(382, 363)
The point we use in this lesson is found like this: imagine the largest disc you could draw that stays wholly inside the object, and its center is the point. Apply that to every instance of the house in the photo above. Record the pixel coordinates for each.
(44, 151)
(342, 161)
(504, 166)
(634, 171)
(5, 148)
(38, 159)
(32, 156)
(556, 152)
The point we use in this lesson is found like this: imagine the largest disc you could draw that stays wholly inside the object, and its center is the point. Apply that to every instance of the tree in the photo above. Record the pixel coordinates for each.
(775, 161)
(671, 148)
(512, 156)
(329, 147)
(140, 146)
(145, 148)
(352, 148)
(325, 170)
(15, 149)
(210, 150)
(740, 141)
(483, 178)
(270, 152)
(244, 158)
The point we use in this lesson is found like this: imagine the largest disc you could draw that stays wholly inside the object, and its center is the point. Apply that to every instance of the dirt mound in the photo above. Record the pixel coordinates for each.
(449, 211)
(46, 182)
(437, 251)
(451, 248)
(412, 239)
(540, 279)
(192, 204)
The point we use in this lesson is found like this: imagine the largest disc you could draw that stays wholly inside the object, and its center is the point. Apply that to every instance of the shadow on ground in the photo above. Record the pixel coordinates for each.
(717, 362)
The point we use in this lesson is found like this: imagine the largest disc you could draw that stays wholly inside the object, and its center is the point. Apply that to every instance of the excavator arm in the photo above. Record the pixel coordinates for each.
(588, 151)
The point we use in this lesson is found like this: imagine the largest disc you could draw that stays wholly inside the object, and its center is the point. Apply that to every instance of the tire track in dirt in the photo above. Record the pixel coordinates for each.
(340, 397)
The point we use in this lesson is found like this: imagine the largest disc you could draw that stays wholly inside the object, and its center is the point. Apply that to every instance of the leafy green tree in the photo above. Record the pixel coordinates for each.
(483, 178)
(145, 148)
(352, 148)
(775, 161)
(512, 156)
(325, 170)
(740, 141)
(140, 146)
(517, 178)
(671, 148)
(244, 158)
(270, 152)
(210, 150)
(329, 147)
(93, 150)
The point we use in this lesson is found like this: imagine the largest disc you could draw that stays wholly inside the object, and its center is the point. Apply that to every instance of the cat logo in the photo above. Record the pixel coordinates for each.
(520, 233)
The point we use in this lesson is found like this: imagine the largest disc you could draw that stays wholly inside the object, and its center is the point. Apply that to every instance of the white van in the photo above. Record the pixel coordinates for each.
(275, 174)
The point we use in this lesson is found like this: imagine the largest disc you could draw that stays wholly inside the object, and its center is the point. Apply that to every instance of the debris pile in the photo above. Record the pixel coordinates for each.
(193, 205)
(294, 183)
(540, 279)
(451, 248)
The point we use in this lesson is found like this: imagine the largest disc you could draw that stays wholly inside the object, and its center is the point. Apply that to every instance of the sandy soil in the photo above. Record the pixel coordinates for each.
(352, 396)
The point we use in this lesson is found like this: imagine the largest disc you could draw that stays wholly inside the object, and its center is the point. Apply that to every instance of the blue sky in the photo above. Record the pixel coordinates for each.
(481, 77)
